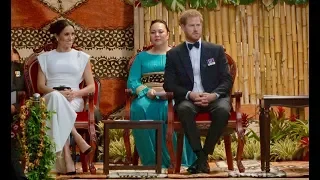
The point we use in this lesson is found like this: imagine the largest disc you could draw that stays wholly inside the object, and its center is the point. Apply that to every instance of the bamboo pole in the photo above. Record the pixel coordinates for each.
(277, 43)
(141, 27)
(284, 58)
(187, 4)
(159, 11)
(305, 50)
(239, 50)
(152, 13)
(136, 29)
(261, 45)
(294, 49)
(176, 29)
(267, 49)
(272, 53)
(225, 28)
(289, 44)
(252, 90)
(255, 15)
(164, 14)
(212, 26)
(300, 50)
(206, 24)
(147, 25)
(233, 42)
(244, 31)
(307, 11)
(182, 36)
(170, 26)
(218, 25)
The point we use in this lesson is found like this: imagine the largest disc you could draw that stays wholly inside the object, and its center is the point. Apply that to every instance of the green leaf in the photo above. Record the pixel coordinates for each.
(194, 4)
(246, 2)
(212, 4)
(149, 3)
(175, 5)
(294, 2)
(234, 2)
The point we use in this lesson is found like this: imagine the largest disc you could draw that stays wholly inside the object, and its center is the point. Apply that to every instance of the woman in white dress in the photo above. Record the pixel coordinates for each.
(67, 67)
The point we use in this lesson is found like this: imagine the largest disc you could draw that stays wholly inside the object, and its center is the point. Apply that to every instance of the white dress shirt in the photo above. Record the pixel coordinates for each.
(195, 54)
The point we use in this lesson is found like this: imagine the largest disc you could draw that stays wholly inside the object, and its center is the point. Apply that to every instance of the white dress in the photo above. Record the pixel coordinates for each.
(62, 68)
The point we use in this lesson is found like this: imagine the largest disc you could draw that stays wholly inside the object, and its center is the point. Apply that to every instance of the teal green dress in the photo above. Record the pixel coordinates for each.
(143, 108)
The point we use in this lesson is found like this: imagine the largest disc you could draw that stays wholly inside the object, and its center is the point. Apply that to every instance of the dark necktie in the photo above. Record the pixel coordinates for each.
(196, 44)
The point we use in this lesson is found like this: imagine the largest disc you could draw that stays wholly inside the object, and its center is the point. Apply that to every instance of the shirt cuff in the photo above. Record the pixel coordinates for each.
(187, 95)
(218, 95)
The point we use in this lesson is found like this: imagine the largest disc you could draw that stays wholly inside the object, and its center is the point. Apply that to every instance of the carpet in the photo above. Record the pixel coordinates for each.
(287, 169)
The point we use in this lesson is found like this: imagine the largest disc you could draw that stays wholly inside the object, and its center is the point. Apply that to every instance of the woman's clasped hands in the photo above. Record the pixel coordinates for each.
(69, 94)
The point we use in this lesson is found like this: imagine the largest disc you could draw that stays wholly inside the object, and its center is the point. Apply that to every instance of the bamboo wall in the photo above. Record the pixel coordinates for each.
(270, 46)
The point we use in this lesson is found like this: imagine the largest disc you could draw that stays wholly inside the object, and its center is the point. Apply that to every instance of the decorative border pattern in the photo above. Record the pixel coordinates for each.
(88, 39)
(110, 67)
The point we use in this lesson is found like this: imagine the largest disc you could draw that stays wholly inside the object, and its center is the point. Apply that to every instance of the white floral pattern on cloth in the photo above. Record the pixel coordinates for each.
(253, 169)
(14, 129)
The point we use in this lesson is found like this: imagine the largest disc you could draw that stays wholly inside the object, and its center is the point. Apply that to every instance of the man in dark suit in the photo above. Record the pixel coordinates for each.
(198, 75)
(17, 84)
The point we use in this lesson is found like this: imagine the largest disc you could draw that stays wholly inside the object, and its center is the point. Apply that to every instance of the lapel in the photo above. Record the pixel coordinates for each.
(185, 59)
(203, 62)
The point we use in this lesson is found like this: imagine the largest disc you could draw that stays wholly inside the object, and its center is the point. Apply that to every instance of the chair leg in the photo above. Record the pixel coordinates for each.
(90, 157)
(84, 163)
(73, 147)
(180, 136)
(83, 159)
(227, 143)
(127, 144)
(240, 153)
(135, 158)
(169, 143)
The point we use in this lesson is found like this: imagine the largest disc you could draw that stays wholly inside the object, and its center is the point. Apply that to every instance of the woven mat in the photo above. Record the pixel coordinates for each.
(288, 169)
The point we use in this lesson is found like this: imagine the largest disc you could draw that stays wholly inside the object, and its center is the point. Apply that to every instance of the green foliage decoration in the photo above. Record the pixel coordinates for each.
(36, 147)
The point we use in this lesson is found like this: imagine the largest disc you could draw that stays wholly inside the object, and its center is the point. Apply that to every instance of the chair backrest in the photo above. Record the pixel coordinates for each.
(31, 66)
(232, 69)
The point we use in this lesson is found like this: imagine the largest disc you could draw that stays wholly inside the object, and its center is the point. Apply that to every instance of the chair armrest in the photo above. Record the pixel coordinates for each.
(90, 99)
(129, 97)
(22, 97)
(170, 120)
(91, 121)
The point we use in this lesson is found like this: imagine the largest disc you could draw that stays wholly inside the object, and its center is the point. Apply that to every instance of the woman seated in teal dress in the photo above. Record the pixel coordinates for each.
(146, 78)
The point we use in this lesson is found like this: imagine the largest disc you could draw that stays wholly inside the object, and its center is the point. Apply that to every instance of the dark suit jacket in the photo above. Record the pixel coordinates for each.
(17, 80)
(179, 78)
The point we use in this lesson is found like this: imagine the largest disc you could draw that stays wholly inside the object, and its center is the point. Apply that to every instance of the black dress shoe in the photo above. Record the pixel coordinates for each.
(71, 173)
(193, 168)
(203, 167)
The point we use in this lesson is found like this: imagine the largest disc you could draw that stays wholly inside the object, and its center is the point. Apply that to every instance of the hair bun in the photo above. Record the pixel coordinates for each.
(52, 28)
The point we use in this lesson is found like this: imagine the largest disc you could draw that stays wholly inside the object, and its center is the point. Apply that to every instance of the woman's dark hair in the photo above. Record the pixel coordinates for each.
(58, 26)
(160, 21)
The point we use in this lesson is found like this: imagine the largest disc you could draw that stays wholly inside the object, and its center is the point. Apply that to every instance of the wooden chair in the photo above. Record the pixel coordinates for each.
(85, 123)
(203, 123)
